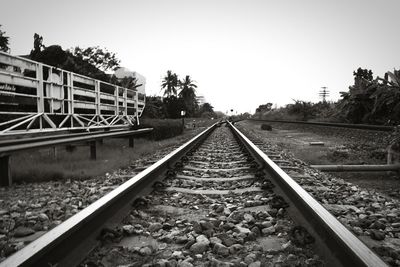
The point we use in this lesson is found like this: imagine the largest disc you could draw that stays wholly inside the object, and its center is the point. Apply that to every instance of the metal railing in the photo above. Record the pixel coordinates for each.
(39, 97)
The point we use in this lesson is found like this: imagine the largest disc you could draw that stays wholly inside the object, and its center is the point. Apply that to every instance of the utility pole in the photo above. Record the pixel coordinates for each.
(324, 93)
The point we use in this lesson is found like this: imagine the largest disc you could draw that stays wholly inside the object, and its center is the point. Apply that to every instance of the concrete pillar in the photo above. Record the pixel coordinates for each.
(131, 141)
(5, 171)
(93, 154)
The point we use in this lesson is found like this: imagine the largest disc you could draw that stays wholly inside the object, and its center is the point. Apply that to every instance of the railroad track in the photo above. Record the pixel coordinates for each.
(216, 201)
(329, 124)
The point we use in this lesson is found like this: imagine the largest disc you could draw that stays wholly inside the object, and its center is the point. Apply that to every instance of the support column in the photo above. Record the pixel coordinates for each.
(131, 141)
(93, 155)
(5, 171)
(55, 152)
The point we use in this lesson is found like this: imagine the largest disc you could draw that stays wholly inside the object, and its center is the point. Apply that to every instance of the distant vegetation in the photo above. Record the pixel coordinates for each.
(4, 41)
(178, 95)
(369, 100)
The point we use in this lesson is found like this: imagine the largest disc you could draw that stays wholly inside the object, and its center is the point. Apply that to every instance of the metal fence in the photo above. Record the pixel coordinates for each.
(38, 97)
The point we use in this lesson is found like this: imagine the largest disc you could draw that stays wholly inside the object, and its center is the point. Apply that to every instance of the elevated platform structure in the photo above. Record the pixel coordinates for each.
(122, 72)
(36, 97)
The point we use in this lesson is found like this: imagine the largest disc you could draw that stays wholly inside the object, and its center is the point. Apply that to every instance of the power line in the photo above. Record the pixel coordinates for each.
(324, 93)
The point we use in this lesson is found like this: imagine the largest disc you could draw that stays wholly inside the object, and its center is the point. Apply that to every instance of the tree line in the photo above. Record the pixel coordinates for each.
(369, 100)
(178, 95)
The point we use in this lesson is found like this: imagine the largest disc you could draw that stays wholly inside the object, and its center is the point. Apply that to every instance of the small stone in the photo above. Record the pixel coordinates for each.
(197, 227)
(167, 226)
(250, 258)
(251, 237)
(3, 212)
(266, 224)
(19, 245)
(162, 263)
(357, 230)
(376, 205)
(280, 259)
(256, 231)
(362, 216)
(235, 248)
(242, 230)
(268, 230)
(145, 251)
(185, 264)
(221, 249)
(291, 257)
(377, 235)
(227, 240)
(23, 231)
(202, 239)
(235, 216)
(154, 227)
(286, 245)
(227, 211)
(181, 239)
(257, 197)
(43, 217)
(255, 264)
(199, 248)
(129, 229)
(396, 225)
(219, 209)
(378, 225)
(206, 225)
(215, 240)
(249, 218)
(177, 254)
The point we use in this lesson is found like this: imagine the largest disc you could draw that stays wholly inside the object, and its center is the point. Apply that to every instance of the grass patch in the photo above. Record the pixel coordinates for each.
(168, 128)
(42, 165)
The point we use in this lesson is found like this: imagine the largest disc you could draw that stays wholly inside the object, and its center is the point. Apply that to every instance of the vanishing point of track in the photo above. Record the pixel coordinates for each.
(205, 204)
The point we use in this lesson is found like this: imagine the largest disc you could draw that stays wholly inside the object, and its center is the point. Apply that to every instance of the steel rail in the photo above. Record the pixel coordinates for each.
(357, 168)
(52, 130)
(18, 141)
(5, 150)
(334, 240)
(68, 243)
(342, 125)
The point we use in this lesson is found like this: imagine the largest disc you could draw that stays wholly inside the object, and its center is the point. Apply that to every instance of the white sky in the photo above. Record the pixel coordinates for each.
(240, 53)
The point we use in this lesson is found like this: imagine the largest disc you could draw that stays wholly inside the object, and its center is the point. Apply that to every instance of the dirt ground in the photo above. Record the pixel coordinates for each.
(340, 146)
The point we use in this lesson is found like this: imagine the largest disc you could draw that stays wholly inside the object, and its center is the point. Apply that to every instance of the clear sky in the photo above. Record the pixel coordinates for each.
(240, 53)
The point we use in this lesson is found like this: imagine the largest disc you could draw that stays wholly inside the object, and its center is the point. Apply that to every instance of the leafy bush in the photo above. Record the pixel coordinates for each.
(372, 100)
(303, 108)
(163, 129)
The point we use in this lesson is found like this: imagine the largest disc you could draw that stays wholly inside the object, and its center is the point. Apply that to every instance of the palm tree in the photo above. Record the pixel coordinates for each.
(188, 93)
(170, 83)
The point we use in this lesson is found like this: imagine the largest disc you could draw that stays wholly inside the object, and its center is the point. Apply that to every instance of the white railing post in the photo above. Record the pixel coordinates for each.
(69, 92)
(116, 93)
(125, 102)
(97, 91)
(39, 93)
(51, 90)
(137, 106)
